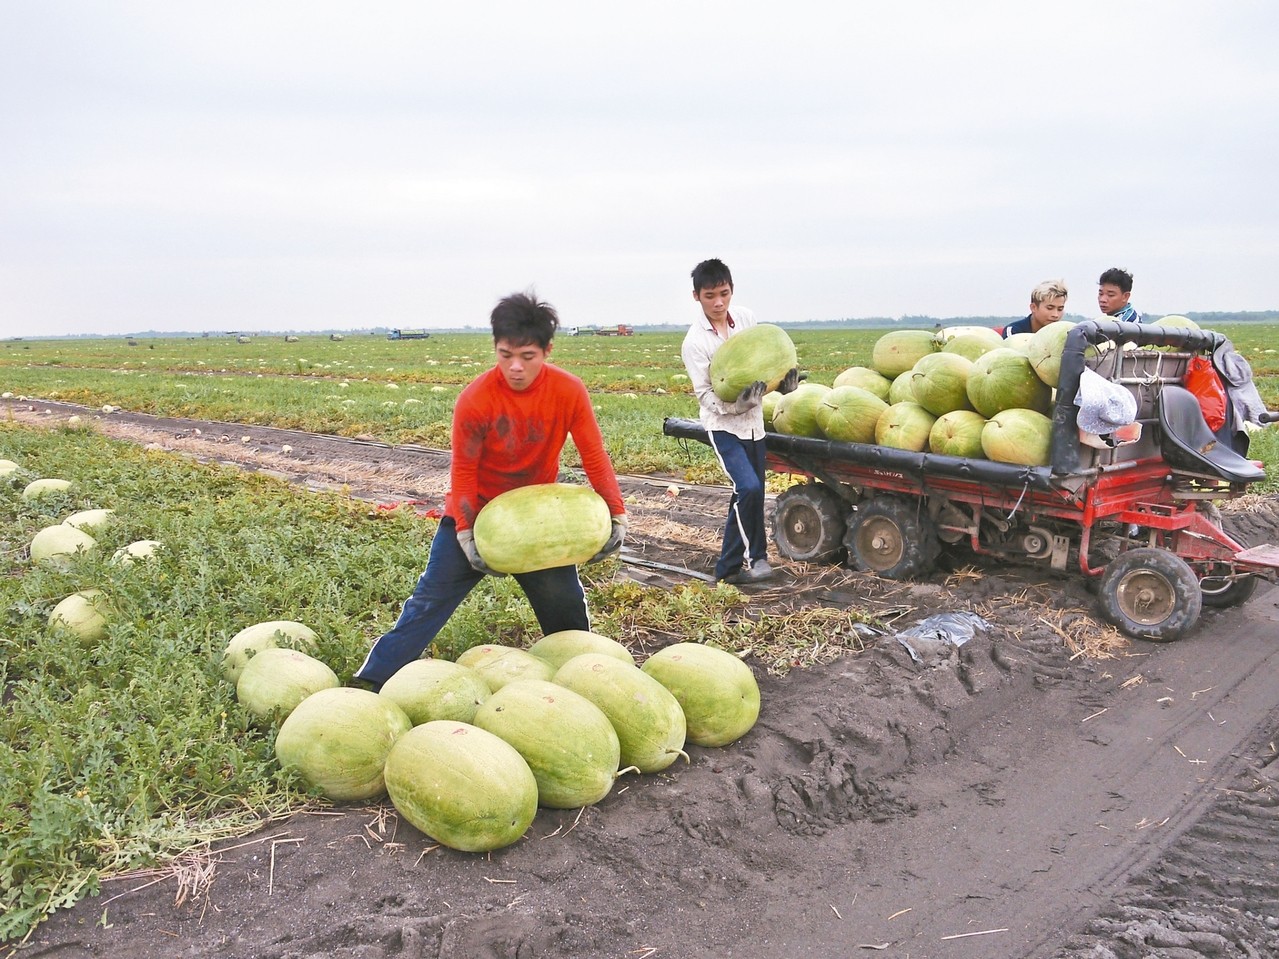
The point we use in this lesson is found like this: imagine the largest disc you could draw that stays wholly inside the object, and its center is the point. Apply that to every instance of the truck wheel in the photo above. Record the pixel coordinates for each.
(1151, 594)
(1218, 592)
(808, 523)
(893, 537)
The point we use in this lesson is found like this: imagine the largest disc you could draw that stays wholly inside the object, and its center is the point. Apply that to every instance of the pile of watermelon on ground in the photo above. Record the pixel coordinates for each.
(468, 750)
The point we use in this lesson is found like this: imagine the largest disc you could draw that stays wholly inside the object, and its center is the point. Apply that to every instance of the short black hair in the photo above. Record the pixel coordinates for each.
(711, 273)
(1117, 277)
(521, 319)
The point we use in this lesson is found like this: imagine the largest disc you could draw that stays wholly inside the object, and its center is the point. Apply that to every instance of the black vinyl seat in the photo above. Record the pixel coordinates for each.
(1188, 443)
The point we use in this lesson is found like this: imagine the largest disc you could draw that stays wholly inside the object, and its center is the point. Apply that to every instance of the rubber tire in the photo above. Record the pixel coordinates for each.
(809, 523)
(1232, 594)
(914, 548)
(1148, 568)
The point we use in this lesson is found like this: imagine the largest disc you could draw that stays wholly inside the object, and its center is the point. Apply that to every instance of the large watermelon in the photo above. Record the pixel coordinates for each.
(274, 681)
(558, 648)
(252, 639)
(905, 426)
(434, 689)
(1021, 437)
(896, 352)
(647, 718)
(973, 343)
(849, 414)
(957, 433)
(940, 382)
(865, 378)
(1003, 379)
(761, 352)
(58, 545)
(462, 786)
(38, 489)
(89, 520)
(796, 413)
(1045, 348)
(566, 740)
(338, 740)
(498, 665)
(542, 526)
(716, 690)
(84, 614)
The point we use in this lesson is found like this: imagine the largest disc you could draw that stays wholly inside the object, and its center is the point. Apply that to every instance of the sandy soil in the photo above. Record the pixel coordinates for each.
(1009, 798)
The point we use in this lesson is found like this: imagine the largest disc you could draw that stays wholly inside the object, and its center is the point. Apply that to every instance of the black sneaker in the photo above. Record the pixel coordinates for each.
(365, 684)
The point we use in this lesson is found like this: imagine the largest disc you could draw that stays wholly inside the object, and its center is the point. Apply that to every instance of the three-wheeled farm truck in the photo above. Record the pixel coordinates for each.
(1140, 519)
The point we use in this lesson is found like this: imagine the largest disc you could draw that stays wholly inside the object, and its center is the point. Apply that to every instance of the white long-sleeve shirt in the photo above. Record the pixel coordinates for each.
(700, 344)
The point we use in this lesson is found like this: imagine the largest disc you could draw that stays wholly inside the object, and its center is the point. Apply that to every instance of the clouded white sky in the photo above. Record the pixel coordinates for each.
(292, 166)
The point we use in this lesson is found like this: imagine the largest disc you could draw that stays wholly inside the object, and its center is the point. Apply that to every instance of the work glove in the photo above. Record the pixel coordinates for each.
(790, 382)
(466, 540)
(752, 395)
(615, 540)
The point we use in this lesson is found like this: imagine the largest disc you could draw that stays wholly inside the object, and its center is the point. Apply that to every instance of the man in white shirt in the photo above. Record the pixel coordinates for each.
(736, 428)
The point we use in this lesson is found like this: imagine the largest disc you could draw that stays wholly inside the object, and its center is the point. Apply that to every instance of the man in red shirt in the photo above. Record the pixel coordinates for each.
(509, 427)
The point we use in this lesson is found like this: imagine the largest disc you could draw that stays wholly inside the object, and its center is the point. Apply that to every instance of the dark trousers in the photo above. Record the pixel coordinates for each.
(556, 595)
(745, 538)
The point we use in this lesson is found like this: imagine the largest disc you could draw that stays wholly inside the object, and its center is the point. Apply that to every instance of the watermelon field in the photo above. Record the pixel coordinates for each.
(1048, 789)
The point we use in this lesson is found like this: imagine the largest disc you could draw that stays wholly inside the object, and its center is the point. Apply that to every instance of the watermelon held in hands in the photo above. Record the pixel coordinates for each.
(761, 352)
(647, 718)
(541, 527)
(461, 785)
(566, 740)
(716, 690)
(337, 740)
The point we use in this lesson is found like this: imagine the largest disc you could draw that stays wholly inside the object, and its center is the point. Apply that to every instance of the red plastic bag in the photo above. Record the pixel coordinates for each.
(1202, 380)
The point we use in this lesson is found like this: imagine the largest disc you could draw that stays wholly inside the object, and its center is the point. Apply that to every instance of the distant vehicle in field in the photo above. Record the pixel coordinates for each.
(408, 335)
(620, 330)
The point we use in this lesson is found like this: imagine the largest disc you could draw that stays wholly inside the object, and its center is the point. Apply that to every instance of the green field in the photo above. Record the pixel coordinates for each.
(403, 391)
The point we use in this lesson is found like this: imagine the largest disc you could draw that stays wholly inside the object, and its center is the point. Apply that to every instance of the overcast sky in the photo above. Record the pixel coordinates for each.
(294, 166)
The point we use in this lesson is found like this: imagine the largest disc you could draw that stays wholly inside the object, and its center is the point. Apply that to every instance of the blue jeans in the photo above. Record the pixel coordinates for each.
(556, 596)
(745, 538)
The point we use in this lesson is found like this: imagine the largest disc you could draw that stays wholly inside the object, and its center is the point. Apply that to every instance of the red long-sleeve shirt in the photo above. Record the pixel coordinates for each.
(504, 439)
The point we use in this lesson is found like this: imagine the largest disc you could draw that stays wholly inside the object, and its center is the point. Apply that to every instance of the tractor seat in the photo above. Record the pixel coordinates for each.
(1189, 444)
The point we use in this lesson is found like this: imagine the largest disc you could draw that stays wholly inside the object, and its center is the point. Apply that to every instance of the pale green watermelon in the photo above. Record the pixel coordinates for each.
(716, 690)
(796, 413)
(957, 433)
(896, 352)
(84, 614)
(498, 665)
(761, 352)
(865, 378)
(905, 426)
(1020, 437)
(274, 681)
(647, 718)
(338, 739)
(542, 526)
(558, 648)
(59, 545)
(460, 785)
(252, 639)
(848, 414)
(939, 382)
(434, 689)
(1003, 379)
(566, 740)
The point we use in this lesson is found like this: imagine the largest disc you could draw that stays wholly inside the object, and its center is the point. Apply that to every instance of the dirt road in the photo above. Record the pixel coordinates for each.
(999, 799)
